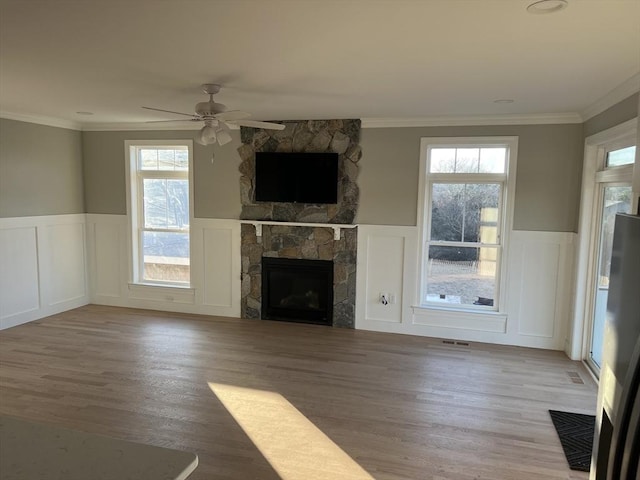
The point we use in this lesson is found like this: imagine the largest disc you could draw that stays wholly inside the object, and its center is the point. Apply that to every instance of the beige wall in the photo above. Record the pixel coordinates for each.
(547, 181)
(40, 170)
(615, 115)
(636, 172)
(216, 185)
(547, 192)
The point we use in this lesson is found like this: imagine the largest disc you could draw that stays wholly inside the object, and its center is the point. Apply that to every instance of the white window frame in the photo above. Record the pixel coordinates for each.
(135, 208)
(506, 214)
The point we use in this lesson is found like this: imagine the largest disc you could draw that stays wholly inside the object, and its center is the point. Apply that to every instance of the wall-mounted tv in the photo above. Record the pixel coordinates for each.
(296, 177)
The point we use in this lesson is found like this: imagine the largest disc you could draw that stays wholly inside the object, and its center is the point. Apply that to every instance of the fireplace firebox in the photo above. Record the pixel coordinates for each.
(296, 290)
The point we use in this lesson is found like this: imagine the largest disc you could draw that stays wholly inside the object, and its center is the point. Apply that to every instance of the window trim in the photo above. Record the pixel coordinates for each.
(506, 220)
(134, 208)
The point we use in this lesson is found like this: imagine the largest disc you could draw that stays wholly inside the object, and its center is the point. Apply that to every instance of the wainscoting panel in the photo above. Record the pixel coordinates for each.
(43, 271)
(66, 262)
(539, 281)
(385, 265)
(43, 268)
(215, 269)
(540, 288)
(107, 251)
(221, 264)
(386, 279)
(109, 241)
(536, 301)
(19, 286)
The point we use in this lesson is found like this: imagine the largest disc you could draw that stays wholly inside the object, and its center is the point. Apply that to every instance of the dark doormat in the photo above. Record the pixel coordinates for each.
(576, 436)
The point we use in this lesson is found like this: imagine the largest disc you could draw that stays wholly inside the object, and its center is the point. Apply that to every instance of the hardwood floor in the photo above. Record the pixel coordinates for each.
(402, 407)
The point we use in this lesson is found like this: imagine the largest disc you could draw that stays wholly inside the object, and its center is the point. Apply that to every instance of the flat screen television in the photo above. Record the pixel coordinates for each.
(296, 177)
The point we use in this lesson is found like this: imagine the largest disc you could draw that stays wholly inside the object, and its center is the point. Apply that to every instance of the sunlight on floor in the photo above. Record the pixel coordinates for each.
(294, 446)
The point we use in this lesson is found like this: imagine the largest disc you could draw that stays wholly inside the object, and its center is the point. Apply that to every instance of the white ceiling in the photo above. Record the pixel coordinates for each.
(307, 59)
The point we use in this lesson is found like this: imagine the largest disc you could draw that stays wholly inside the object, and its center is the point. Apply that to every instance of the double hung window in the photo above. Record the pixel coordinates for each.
(160, 211)
(464, 190)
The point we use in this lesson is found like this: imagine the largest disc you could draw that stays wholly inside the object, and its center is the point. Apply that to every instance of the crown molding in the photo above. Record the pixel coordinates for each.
(472, 120)
(444, 121)
(626, 89)
(130, 126)
(41, 120)
(551, 118)
(116, 126)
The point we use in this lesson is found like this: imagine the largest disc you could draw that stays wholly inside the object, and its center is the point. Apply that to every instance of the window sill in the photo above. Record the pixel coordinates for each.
(161, 285)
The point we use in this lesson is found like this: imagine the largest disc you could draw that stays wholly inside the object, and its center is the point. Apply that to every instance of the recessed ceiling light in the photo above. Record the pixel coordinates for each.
(84, 113)
(504, 100)
(547, 6)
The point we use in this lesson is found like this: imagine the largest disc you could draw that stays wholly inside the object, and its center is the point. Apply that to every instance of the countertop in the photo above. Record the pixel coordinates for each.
(33, 451)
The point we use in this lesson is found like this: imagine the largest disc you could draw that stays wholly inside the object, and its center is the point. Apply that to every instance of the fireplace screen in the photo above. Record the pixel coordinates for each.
(297, 290)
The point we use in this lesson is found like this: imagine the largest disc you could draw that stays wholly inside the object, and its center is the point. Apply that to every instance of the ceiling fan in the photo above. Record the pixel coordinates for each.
(216, 119)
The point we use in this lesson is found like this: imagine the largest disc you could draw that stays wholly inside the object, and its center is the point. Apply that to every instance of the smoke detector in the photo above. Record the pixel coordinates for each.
(547, 6)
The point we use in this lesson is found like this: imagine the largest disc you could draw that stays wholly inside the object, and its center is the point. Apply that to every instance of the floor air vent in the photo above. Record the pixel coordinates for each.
(575, 377)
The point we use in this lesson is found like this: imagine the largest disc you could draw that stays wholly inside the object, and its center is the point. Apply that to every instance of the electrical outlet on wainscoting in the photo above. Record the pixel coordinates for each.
(383, 298)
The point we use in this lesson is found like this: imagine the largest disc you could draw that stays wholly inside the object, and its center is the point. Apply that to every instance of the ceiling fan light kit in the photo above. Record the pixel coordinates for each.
(223, 134)
(217, 119)
(207, 135)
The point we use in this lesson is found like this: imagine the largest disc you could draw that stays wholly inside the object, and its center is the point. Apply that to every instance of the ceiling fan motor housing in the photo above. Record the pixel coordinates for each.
(210, 108)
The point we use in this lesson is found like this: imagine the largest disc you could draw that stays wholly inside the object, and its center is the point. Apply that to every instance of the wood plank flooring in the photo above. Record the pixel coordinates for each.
(402, 407)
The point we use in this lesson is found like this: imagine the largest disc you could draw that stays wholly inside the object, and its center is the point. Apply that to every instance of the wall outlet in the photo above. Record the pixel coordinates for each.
(383, 298)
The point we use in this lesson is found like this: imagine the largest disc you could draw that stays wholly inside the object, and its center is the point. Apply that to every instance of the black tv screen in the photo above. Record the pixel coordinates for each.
(296, 177)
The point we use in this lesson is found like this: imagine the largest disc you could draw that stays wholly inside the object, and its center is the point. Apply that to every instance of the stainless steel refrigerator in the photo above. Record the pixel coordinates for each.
(617, 444)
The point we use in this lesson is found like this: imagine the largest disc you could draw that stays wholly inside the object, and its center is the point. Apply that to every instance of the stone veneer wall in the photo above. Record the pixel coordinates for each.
(339, 136)
(310, 243)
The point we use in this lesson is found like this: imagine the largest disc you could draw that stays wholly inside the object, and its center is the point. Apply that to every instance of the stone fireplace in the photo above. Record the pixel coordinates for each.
(302, 231)
(300, 242)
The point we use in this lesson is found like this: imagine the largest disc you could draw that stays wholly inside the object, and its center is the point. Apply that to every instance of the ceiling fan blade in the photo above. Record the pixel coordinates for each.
(170, 111)
(231, 115)
(257, 124)
(176, 120)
